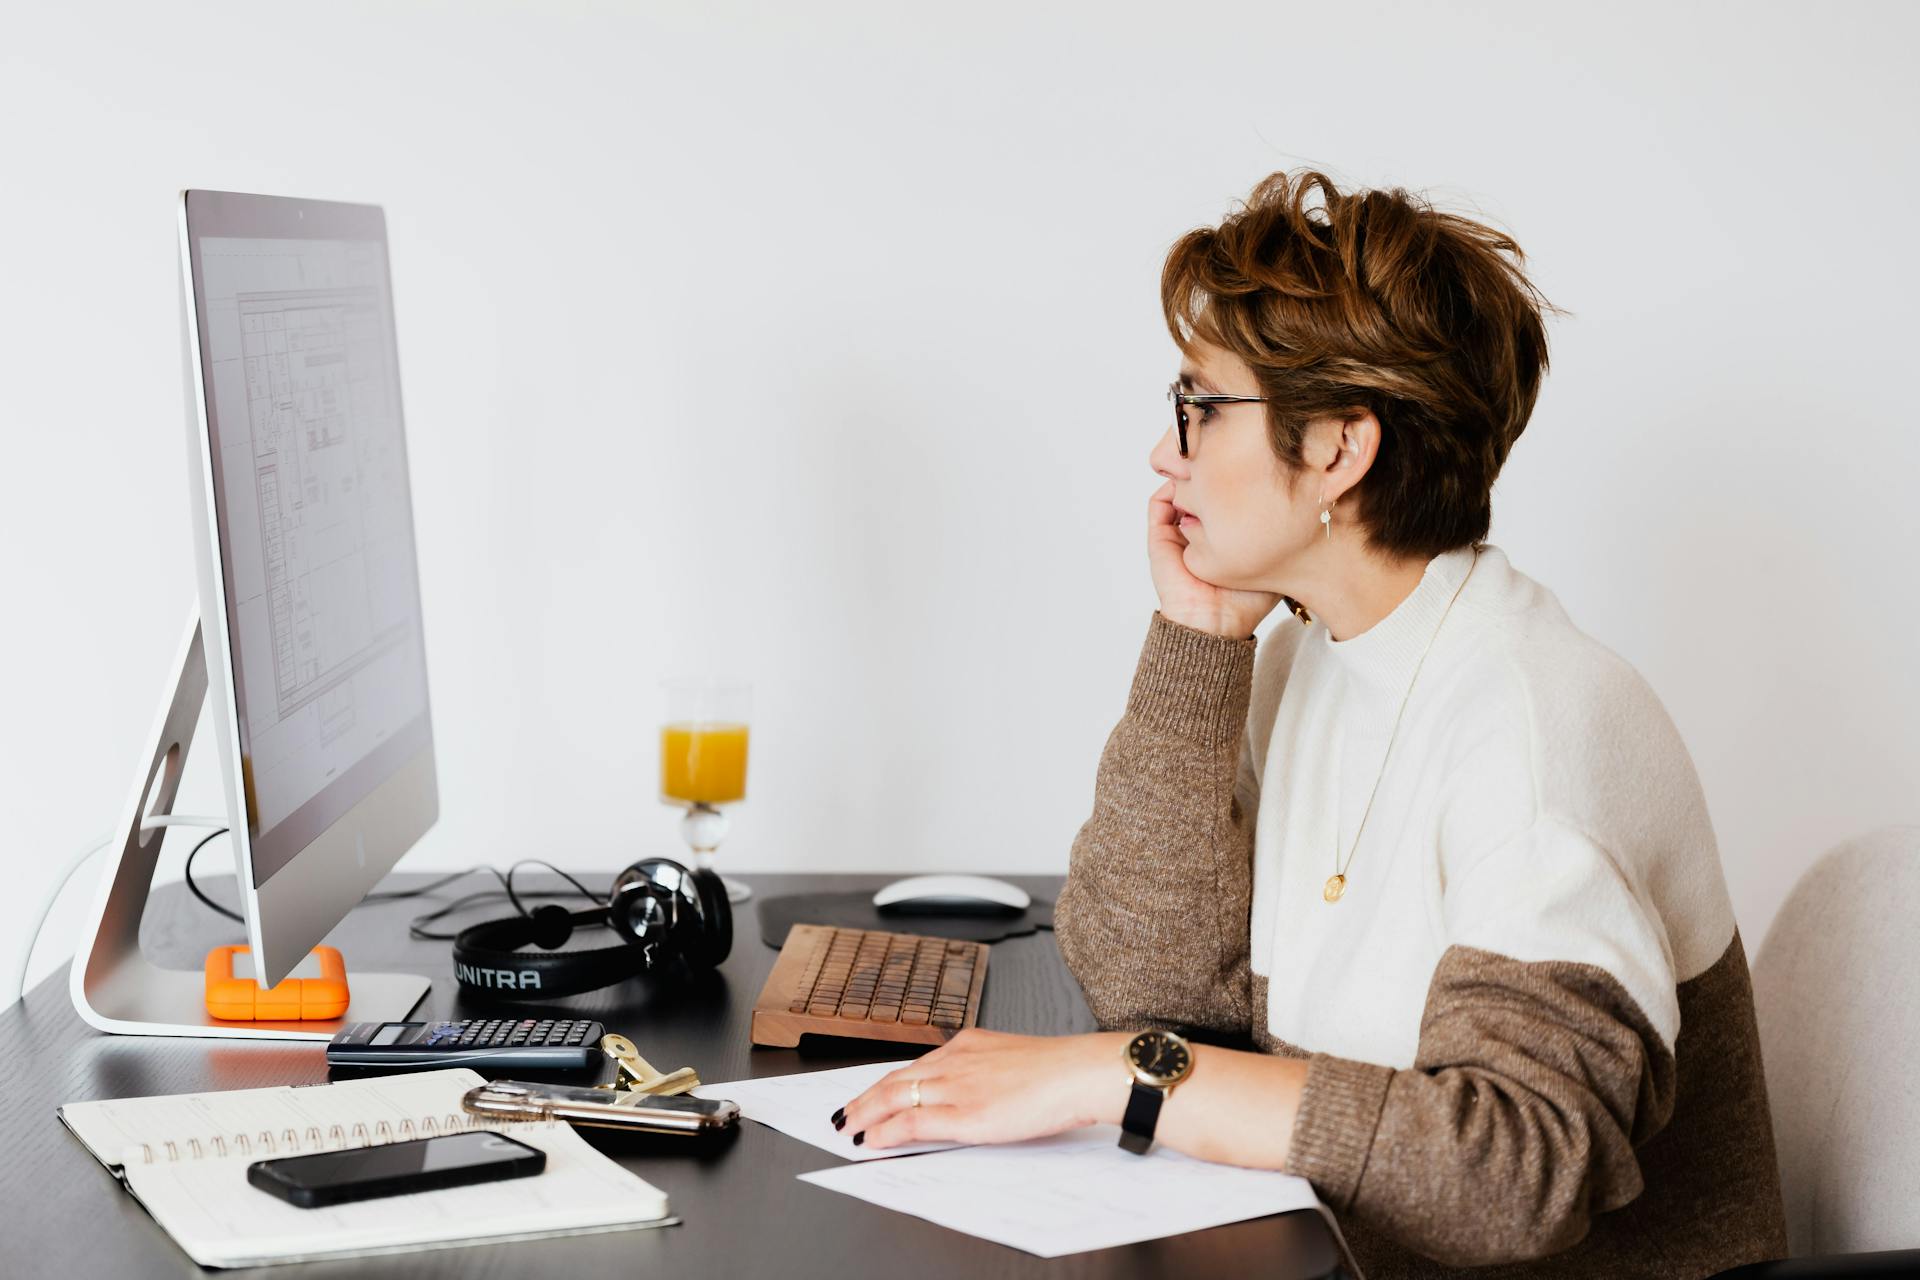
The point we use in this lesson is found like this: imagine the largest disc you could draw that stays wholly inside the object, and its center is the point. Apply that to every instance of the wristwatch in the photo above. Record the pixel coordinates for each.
(1158, 1060)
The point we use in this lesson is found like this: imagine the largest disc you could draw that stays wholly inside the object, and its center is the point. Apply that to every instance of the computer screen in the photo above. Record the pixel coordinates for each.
(309, 614)
(315, 526)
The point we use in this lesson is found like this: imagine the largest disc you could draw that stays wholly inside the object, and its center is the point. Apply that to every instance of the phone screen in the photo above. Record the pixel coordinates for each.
(401, 1160)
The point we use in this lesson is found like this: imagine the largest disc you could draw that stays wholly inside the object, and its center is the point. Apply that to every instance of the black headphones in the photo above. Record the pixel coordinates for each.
(661, 910)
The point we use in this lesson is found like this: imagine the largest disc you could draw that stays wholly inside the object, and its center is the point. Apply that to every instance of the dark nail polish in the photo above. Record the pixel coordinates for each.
(839, 1117)
(859, 1137)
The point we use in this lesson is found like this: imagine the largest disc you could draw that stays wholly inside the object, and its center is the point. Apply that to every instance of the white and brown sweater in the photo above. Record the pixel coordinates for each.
(1528, 1019)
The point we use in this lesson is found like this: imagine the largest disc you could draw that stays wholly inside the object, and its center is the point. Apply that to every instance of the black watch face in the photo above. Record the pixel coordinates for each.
(1159, 1054)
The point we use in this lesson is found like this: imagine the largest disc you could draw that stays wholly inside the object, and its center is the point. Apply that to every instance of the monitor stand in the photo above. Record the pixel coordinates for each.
(115, 986)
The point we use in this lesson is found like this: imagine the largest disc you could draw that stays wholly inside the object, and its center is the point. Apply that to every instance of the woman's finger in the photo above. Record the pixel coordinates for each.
(924, 1123)
(891, 1093)
(863, 1103)
(1160, 505)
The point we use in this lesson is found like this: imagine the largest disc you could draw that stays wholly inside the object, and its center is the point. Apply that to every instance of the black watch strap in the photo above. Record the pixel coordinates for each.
(1143, 1115)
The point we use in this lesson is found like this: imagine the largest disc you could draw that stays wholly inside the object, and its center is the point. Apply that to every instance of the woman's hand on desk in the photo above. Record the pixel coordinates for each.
(988, 1086)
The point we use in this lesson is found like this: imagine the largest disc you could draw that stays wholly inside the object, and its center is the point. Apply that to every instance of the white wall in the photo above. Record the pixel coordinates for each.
(821, 343)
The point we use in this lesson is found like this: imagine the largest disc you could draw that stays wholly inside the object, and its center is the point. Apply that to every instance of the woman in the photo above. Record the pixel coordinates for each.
(1442, 856)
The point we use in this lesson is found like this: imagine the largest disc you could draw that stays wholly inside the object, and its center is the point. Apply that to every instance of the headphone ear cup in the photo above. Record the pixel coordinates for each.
(552, 926)
(716, 915)
(627, 897)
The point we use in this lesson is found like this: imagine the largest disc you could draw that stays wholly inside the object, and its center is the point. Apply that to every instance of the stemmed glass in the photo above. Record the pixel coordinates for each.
(703, 762)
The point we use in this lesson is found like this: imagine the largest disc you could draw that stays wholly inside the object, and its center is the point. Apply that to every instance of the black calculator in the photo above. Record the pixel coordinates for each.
(547, 1044)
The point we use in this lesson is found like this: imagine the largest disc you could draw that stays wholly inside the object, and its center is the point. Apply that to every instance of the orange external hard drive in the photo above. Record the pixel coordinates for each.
(234, 999)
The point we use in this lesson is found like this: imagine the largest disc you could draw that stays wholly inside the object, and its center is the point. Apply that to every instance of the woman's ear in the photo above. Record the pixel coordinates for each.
(1347, 451)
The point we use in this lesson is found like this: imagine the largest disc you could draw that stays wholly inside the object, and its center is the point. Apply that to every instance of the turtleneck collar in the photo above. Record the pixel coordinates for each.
(1382, 658)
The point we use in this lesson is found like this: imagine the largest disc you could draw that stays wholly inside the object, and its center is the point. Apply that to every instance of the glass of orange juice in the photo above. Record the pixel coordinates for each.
(703, 761)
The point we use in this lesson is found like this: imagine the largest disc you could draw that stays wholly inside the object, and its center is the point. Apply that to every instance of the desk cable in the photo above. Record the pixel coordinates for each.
(417, 927)
(67, 870)
(73, 863)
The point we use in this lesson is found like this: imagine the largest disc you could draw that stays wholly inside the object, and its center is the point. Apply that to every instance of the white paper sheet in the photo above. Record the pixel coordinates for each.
(802, 1106)
(1071, 1192)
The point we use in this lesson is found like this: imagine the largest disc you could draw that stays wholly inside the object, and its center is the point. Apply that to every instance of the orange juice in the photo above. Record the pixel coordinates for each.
(703, 763)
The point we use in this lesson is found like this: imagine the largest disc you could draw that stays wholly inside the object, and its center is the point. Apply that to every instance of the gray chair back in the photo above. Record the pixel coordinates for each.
(1836, 990)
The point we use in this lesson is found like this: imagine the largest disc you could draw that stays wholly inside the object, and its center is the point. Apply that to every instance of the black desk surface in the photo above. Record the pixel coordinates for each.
(743, 1211)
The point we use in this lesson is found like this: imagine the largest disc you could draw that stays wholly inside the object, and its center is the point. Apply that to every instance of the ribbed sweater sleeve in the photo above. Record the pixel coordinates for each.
(1153, 920)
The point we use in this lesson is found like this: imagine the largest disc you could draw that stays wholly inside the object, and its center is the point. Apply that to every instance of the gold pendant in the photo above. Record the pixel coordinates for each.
(1336, 885)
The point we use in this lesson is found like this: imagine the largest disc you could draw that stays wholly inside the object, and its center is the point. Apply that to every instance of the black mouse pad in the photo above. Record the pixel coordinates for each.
(856, 911)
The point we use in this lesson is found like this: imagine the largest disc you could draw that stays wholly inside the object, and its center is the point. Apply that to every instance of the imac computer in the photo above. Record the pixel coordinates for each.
(306, 649)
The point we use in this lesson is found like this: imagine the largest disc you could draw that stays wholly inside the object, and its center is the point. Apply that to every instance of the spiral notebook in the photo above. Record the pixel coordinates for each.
(185, 1159)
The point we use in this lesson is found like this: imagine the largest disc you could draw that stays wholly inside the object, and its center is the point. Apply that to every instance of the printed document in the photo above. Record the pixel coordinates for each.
(1071, 1192)
(802, 1106)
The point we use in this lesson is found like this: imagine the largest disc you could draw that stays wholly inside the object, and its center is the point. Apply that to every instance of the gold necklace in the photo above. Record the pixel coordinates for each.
(1337, 882)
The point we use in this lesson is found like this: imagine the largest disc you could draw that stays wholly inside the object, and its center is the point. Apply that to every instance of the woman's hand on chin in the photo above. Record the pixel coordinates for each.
(988, 1086)
(1185, 599)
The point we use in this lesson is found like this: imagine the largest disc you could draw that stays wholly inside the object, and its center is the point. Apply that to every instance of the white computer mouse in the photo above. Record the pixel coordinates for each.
(952, 896)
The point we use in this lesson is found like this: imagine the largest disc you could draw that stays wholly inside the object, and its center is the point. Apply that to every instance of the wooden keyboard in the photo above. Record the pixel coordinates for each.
(871, 985)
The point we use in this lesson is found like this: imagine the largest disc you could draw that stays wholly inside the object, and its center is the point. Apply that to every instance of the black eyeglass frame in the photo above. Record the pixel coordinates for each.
(1183, 398)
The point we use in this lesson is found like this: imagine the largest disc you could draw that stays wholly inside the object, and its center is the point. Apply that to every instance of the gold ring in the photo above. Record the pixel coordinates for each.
(913, 1091)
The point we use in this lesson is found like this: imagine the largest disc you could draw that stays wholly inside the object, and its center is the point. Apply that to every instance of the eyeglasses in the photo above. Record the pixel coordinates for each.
(1181, 399)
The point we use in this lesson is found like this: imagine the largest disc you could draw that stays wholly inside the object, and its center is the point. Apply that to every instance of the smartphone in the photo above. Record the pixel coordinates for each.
(608, 1108)
(396, 1168)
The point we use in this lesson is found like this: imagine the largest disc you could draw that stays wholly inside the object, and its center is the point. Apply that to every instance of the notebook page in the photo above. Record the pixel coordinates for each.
(220, 1219)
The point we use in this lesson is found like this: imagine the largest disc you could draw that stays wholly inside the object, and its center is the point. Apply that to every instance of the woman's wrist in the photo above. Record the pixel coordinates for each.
(1213, 624)
(1104, 1083)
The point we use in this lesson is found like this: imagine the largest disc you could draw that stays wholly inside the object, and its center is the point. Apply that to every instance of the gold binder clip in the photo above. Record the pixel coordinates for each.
(637, 1075)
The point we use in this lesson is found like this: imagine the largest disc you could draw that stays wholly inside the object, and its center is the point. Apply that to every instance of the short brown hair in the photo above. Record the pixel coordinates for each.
(1374, 300)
